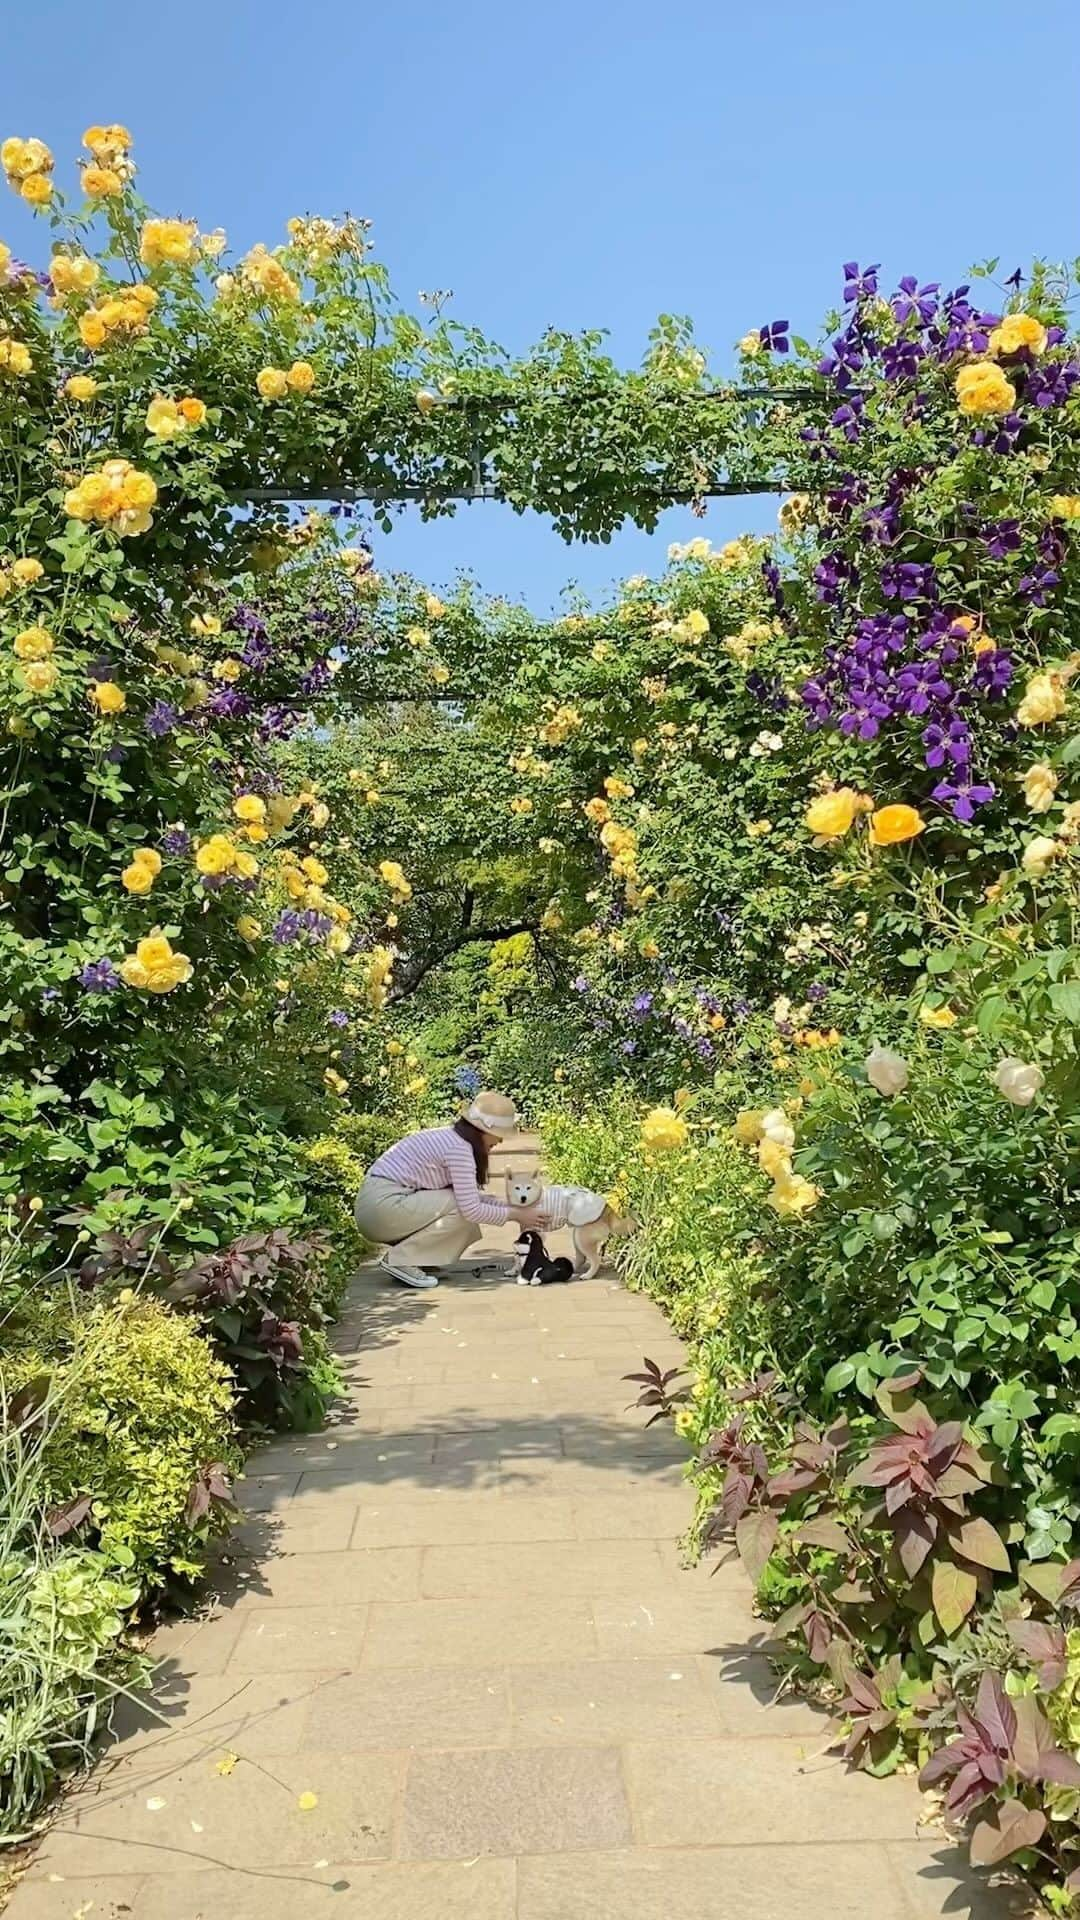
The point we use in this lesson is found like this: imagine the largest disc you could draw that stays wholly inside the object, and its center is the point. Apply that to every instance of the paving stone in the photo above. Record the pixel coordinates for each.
(723, 1883)
(260, 1715)
(686, 1793)
(482, 1518)
(290, 1639)
(937, 1884)
(647, 1625)
(614, 1700)
(330, 1579)
(618, 1474)
(420, 1890)
(197, 1645)
(264, 1492)
(110, 1899)
(744, 1688)
(523, 1801)
(352, 1452)
(557, 1567)
(649, 1514)
(325, 1528)
(396, 1708)
(477, 1632)
(250, 1819)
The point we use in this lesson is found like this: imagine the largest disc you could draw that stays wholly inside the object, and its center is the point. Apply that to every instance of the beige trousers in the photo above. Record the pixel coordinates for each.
(425, 1226)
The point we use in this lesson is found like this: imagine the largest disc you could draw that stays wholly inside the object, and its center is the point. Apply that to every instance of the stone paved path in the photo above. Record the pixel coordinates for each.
(459, 1620)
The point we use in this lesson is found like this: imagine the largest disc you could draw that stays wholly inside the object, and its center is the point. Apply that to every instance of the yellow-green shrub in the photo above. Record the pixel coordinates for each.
(138, 1408)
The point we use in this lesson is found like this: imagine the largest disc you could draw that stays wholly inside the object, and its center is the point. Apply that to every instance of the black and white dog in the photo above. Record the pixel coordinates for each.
(534, 1268)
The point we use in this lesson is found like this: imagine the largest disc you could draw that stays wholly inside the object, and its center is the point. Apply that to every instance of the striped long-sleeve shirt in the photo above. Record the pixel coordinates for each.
(436, 1158)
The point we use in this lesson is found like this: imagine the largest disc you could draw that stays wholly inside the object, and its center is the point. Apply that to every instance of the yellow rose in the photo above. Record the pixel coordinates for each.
(830, 816)
(245, 864)
(163, 419)
(750, 343)
(15, 359)
(617, 789)
(106, 696)
(295, 884)
(793, 1195)
(168, 243)
(1040, 786)
(663, 1131)
(773, 1158)
(73, 272)
(21, 158)
(320, 814)
(81, 387)
(27, 572)
(249, 928)
(889, 826)
(1043, 701)
(338, 941)
(101, 183)
(316, 871)
(192, 410)
(937, 1017)
(281, 811)
(154, 967)
(250, 807)
(272, 383)
(216, 855)
(983, 388)
(138, 877)
(34, 643)
(138, 489)
(433, 606)
(696, 623)
(1018, 330)
(440, 675)
(149, 858)
(39, 676)
(205, 624)
(300, 377)
(1065, 506)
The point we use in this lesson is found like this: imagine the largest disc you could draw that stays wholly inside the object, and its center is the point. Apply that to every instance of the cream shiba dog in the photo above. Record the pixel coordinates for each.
(590, 1220)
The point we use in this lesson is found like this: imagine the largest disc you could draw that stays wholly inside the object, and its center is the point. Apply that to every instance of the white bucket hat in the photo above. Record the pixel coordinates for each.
(494, 1113)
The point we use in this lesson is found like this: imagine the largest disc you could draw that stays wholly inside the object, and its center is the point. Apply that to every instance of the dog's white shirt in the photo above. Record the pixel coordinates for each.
(571, 1206)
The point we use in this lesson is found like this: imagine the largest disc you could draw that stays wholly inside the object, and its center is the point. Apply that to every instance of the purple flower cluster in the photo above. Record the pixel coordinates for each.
(307, 924)
(901, 667)
(99, 976)
(162, 718)
(338, 1018)
(176, 841)
(257, 650)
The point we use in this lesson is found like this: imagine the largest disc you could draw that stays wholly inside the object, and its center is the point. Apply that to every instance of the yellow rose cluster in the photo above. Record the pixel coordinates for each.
(378, 969)
(169, 243)
(107, 697)
(620, 845)
(72, 273)
(154, 967)
(392, 876)
(1017, 333)
(263, 273)
(770, 1131)
(833, 814)
(143, 870)
(1065, 506)
(118, 496)
(105, 174)
(274, 383)
(563, 722)
(220, 857)
(983, 388)
(15, 359)
(663, 1131)
(17, 575)
(27, 166)
(170, 419)
(124, 314)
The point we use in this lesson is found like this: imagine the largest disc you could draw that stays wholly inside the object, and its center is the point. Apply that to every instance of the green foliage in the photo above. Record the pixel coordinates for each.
(137, 1412)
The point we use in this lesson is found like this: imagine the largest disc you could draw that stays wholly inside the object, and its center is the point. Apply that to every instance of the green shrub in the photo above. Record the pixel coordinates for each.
(138, 1410)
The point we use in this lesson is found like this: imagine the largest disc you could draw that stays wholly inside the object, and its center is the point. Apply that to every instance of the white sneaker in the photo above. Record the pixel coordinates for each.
(408, 1276)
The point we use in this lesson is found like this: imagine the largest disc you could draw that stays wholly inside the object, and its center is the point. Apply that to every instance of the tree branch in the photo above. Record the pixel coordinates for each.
(467, 938)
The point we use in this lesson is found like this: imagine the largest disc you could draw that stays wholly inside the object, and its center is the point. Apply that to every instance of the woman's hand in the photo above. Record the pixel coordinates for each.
(533, 1217)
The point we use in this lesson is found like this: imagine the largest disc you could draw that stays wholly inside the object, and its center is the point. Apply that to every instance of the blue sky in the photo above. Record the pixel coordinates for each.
(584, 165)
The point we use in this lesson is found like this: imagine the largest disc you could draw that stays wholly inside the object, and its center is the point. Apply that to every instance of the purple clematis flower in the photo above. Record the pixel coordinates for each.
(161, 719)
(962, 800)
(99, 976)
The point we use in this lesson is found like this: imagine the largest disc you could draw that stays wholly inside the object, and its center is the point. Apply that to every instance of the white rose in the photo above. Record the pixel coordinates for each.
(886, 1070)
(1018, 1081)
(776, 1126)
